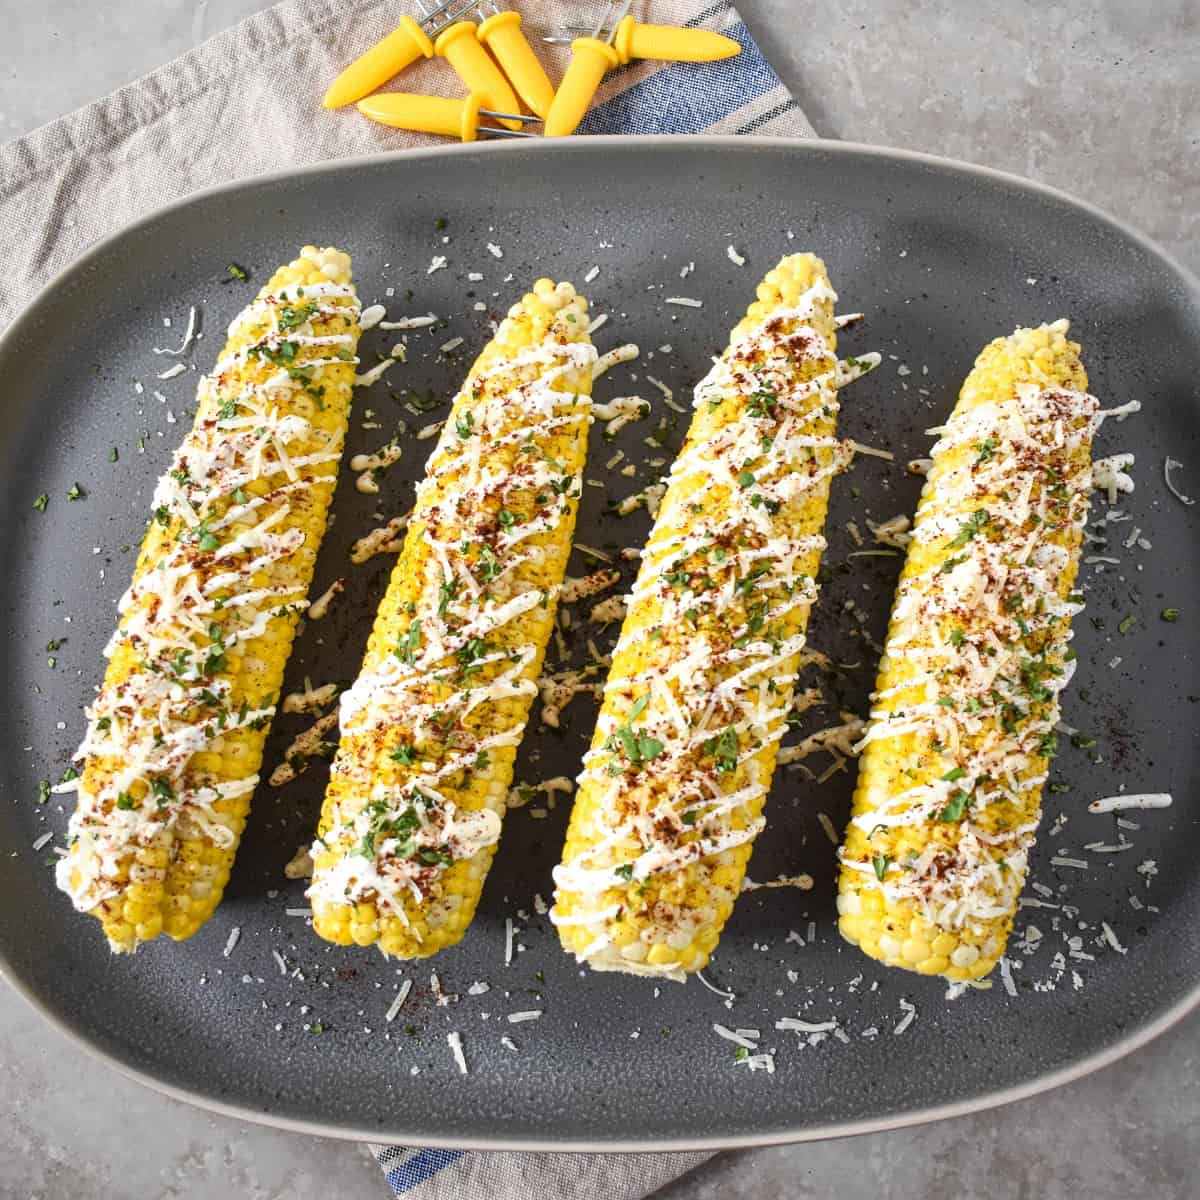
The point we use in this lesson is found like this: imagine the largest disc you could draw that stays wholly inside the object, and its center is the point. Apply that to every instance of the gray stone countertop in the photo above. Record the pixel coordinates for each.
(1097, 98)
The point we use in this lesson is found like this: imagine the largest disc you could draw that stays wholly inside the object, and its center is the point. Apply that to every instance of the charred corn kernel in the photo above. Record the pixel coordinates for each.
(175, 736)
(959, 743)
(430, 728)
(673, 788)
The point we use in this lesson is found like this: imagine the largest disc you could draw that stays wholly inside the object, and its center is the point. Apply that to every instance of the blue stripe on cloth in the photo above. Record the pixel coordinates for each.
(416, 1170)
(679, 98)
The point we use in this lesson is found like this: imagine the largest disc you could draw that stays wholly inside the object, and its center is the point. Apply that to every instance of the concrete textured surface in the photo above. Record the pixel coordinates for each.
(1098, 98)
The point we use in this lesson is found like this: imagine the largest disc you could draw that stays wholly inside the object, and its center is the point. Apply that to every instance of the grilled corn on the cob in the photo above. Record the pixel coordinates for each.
(175, 736)
(430, 729)
(673, 788)
(960, 739)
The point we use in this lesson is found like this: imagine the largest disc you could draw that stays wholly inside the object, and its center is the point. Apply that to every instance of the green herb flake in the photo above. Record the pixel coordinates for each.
(41, 502)
(113, 455)
(880, 863)
(409, 643)
(953, 774)
(1127, 623)
(970, 528)
(238, 272)
(1170, 614)
(724, 749)
(43, 791)
(956, 806)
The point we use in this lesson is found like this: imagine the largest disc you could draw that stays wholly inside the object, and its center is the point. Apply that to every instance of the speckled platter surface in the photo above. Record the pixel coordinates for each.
(941, 257)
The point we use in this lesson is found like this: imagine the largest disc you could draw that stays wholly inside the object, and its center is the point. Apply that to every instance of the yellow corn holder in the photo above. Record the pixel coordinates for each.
(389, 57)
(436, 114)
(671, 43)
(442, 30)
(591, 60)
(459, 46)
(501, 34)
(666, 43)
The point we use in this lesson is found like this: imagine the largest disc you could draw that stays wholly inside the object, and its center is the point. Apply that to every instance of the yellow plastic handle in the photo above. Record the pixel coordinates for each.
(385, 59)
(474, 66)
(502, 35)
(590, 60)
(424, 114)
(670, 43)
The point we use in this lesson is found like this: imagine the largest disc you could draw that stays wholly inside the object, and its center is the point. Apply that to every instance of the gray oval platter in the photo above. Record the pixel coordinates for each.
(941, 257)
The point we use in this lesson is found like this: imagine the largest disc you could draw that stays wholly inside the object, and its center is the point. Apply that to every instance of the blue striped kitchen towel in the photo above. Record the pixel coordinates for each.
(184, 127)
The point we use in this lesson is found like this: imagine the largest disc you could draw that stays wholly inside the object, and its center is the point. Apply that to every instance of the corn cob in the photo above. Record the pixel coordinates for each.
(673, 788)
(431, 727)
(959, 743)
(175, 736)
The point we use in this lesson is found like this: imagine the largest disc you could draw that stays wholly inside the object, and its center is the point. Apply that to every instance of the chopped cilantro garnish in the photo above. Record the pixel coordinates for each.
(986, 449)
(238, 272)
(406, 648)
(970, 528)
(162, 791)
(1127, 623)
(41, 502)
(880, 863)
(292, 317)
(281, 355)
(953, 774)
(956, 806)
(489, 564)
(624, 871)
(1170, 614)
(724, 749)
(75, 492)
(762, 404)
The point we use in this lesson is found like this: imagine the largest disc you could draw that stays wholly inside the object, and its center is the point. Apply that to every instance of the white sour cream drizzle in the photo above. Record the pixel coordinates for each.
(198, 601)
(488, 467)
(983, 639)
(681, 798)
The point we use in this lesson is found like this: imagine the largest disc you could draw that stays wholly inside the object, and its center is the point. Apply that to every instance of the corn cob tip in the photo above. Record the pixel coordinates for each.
(313, 265)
